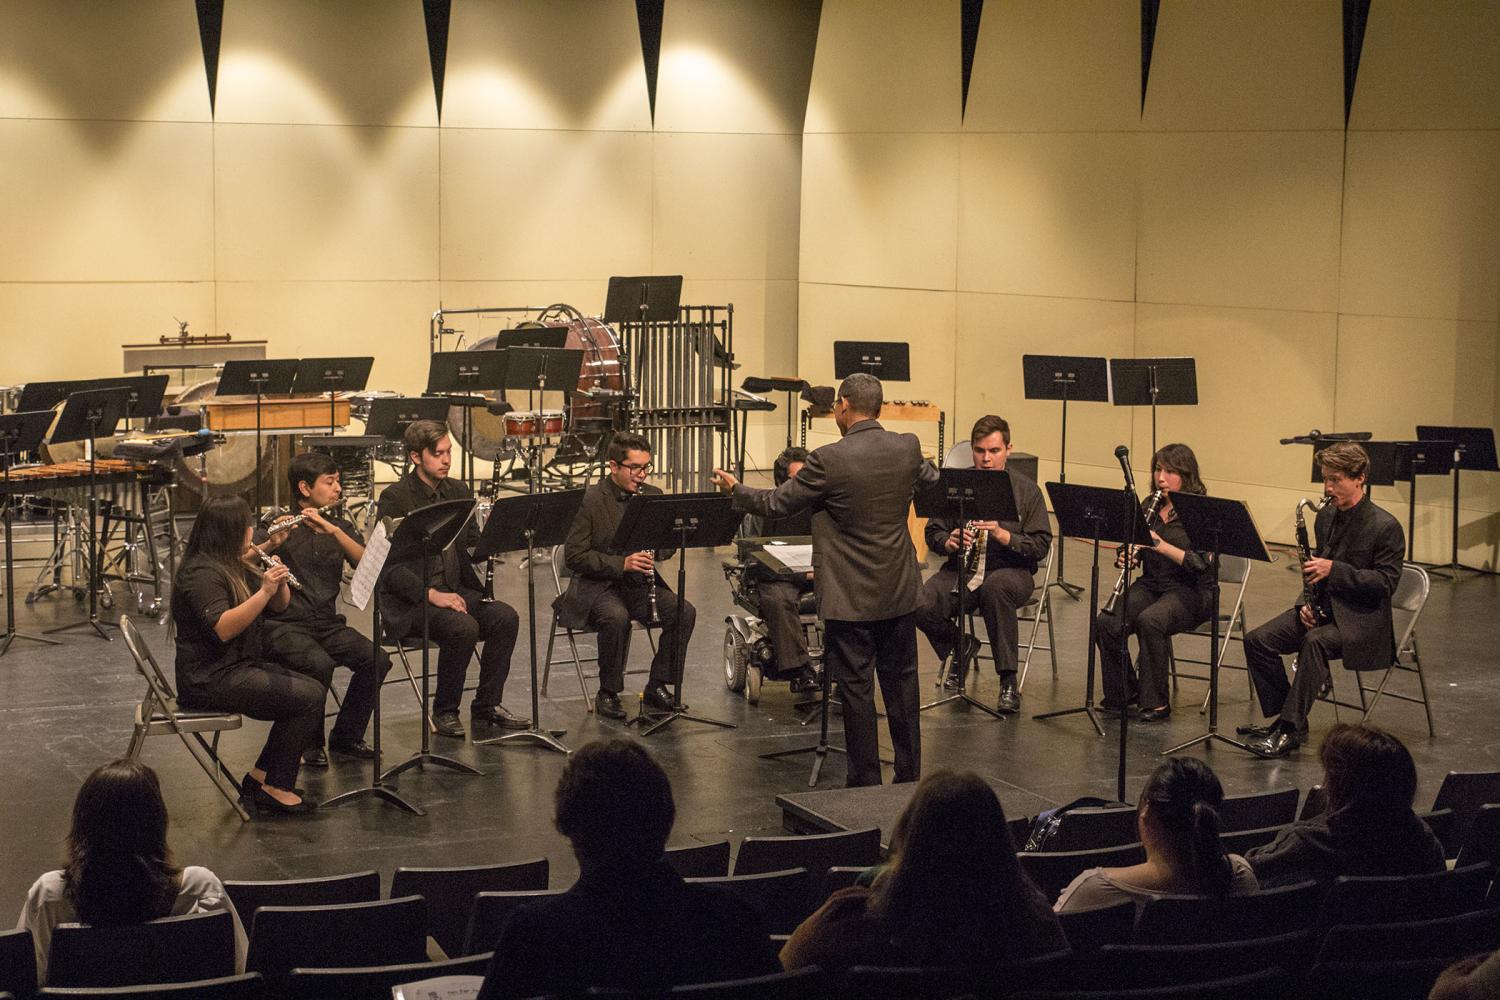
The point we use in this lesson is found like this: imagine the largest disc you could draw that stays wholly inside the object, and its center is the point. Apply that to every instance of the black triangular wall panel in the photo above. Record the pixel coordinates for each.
(1150, 10)
(437, 13)
(210, 31)
(970, 14)
(1356, 14)
(649, 15)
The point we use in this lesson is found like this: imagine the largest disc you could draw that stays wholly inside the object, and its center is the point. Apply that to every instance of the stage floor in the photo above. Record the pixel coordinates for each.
(65, 709)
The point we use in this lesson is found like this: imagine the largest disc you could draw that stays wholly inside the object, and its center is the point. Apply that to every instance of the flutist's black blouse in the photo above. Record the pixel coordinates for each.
(200, 594)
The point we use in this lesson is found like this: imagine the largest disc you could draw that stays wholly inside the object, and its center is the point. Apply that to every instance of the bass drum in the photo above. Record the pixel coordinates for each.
(229, 468)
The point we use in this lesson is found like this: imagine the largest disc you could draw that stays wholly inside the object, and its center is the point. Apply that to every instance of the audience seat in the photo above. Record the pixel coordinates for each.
(1266, 983)
(249, 986)
(489, 913)
(386, 932)
(1089, 930)
(864, 982)
(1444, 825)
(785, 897)
(1092, 829)
(355, 887)
(1450, 937)
(1142, 966)
(17, 964)
(700, 860)
(169, 950)
(450, 893)
(799, 984)
(375, 982)
(1465, 792)
(1373, 980)
(1242, 841)
(840, 877)
(816, 852)
(1053, 870)
(1020, 829)
(1393, 898)
(1258, 810)
(1202, 919)
(1482, 845)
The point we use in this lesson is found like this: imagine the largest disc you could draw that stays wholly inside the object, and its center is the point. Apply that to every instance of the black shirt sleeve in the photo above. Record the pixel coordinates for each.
(207, 594)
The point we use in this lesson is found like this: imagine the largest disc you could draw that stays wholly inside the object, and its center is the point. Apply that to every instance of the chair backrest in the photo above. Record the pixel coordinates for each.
(1053, 870)
(1092, 829)
(169, 950)
(1241, 841)
(375, 982)
(1482, 846)
(1204, 919)
(841, 877)
(489, 913)
(1258, 810)
(799, 984)
(159, 693)
(355, 887)
(17, 964)
(1132, 967)
(450, 893)
(1446, 937)
(1373, 980)
(1444, 823)
(960, 456)
(817, 852)
(559, 566)
(1408, 601)
(1464, 792)
(1266, 983)
(249, 986)
(1089, 930)
(351, 935)
(866, 982)
(1234, 571)
(1316, 803)
(700, 860)
(785, 897)
(1020, 829)
(1388, 899)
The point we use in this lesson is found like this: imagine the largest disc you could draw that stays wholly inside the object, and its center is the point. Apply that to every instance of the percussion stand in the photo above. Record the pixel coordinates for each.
(19, 432)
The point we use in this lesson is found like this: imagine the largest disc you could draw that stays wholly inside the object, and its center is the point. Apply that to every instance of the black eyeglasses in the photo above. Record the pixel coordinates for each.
(634, 469)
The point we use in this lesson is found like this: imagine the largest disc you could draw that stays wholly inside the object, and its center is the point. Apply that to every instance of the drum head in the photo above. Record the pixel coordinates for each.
(231, 466)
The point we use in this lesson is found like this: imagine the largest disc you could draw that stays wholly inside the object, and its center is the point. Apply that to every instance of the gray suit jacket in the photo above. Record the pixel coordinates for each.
(859, 489)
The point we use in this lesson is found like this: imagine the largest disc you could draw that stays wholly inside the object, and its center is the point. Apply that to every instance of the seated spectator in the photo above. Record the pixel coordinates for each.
(629, 922)
(1178, 820)
(1369, 827)
(119, 869)
(953, 894)
(1474, 978)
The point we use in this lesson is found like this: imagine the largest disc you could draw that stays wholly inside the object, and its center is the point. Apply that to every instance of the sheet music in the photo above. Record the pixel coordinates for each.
(440, 988)
(362, 587)
(796, 558)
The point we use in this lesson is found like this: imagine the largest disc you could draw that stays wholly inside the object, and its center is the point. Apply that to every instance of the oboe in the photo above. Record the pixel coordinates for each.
(1153, 502)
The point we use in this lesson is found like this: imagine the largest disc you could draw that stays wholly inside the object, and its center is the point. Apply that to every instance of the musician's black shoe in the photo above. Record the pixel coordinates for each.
(658, 697)
(249, 786)
(314, 757)
(1113, 707)
(498, 716)
(607, 704)
(448, 724)
(358, 749)
(954, 682)
(1258, 731)
(1161, 714)
(262, 801)
(805, 681)
(1278, 744)
(1010, 696)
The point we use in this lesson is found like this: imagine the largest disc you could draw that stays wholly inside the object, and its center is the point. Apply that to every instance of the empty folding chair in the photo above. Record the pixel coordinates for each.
(799, 984)
(1446, 937)
(1258, 810)
(1394, 898)
(355, 887)
(1201, 919)
(1089, 930)
(17, 964)
(375, 982)
(249, 986)
(169, 950)
(490, 911)
(817, 852)
(1053, 870)
(390, 931)
(785, 897)
(450, 893)
(700, 860)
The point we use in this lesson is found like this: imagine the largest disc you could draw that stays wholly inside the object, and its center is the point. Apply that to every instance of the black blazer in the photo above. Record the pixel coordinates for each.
(1367, 559)
(589, 551)
(403, 587)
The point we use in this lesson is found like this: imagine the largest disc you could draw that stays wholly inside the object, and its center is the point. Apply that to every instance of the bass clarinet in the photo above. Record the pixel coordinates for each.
(1312, 593)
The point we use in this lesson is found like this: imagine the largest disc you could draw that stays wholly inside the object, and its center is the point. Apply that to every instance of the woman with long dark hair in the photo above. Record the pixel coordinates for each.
(119, 869)
(954, 893)
(1174, 593)
(218, 602)
(1178, 821)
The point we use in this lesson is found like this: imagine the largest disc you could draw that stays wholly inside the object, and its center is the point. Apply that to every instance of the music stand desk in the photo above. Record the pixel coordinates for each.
(19, 433)
(887, 360)
(651, 298)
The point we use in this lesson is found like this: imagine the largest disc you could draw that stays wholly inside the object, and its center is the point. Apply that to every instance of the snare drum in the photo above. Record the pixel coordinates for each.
(522, 423)
(551, 421)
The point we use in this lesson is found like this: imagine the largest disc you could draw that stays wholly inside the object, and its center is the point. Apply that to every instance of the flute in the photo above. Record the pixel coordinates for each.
(267, 560)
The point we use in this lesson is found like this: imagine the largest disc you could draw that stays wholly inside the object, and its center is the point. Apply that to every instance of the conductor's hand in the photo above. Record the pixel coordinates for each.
(1315, 570)
(1304, 613)
(273, 578)
(639, 562)
(445, 599)
(725, 481)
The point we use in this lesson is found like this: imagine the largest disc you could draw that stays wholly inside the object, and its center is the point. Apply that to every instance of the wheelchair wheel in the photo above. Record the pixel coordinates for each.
(753, 679)
(736, 659)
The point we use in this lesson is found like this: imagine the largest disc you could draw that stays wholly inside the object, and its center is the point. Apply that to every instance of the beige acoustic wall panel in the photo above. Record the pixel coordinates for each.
(76, 330)
(106, 201)
(1429, 64)
(887, 66)
(544, 64)
(329, 62)
(1246, 64)
(529, 205)
(1420, 232)
(1048, 214)
(127, 59)
(880, 209)
(1241, 219)
(1027, 67)
(735, 67)
(299, 202)
(585, 295)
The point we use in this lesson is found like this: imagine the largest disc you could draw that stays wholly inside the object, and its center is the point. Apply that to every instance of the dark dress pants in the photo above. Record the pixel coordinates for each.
(456, 633)
(778, 600)
(1153, 619)
(315, 649)
(1003, 592)
(611, 614)
(1315, 649)
(886, 649)
(292, 702)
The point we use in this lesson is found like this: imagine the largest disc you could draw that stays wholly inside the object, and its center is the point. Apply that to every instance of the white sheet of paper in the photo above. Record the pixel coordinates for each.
(439, 988)
(362, 587)
(797, 558)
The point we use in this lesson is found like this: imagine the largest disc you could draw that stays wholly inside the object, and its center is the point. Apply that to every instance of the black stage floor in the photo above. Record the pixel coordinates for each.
(65, 709)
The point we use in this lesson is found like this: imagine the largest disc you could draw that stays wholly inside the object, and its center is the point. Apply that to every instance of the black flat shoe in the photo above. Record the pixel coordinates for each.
(314, 757)
(358, 749)
(249, 786)
(607, 705)
(1156, 714)
(263, 801)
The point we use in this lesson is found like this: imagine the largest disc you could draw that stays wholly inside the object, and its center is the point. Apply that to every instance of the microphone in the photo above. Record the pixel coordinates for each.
(1122, 453)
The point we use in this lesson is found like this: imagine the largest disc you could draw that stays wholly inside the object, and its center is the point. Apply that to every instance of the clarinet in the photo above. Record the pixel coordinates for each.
(651, 593)
(1313, 594)
(1153, 502)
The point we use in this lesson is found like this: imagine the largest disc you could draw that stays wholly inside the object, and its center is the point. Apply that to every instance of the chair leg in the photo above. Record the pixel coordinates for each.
(217, 773)
(1416, 660)
(578, 668)
(547, 663)
(1051, 636)
(1036, 626)
(137, 741)
(416, 689)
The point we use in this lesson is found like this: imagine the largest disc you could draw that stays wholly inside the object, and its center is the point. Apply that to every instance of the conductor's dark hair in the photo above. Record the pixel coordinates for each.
(614, 804)
(990, 424)
(784, 462)
(119, 870)
(1367, 770)
(864, 394)
(1185, 796)
(623, 444)
(423, 435)
(307, 468)
(1179, 458)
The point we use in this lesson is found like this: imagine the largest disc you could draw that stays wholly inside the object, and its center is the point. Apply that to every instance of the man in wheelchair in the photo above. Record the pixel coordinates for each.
(772, 642)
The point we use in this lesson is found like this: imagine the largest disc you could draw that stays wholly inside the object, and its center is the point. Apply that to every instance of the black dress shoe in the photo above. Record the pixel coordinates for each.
(1278, 744)
(315, 757)
(1156, 714)
(358, 749)
(658, 698)
(1010, 697)
(1113, 708)
(1257, 731)
(607, 704)
(447, 724)
(805, 681)
(498, 716)
(263, 801)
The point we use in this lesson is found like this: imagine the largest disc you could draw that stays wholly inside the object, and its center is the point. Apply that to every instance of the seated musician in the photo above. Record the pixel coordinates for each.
(311, 635)
(460, 616)
(1174, 593)
(609, 589)
(777, 598)
(1351, 577)
(1002, 579)
(218, 605)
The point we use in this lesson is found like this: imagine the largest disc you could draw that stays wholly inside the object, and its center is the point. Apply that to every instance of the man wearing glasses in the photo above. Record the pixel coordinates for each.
(611, 589)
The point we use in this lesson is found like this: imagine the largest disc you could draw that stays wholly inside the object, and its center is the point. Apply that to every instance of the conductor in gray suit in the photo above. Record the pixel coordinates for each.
(864, 569)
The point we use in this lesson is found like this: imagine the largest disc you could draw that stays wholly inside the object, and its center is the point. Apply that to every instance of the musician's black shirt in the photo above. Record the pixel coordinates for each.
(317, 561)
(1162, 574)
(200, 594)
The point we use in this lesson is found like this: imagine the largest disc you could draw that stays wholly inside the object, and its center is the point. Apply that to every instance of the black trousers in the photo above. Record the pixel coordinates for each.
(1315, 648)
(315, 648)
(1153, 619)
(887, 649)
(611, 614)
(456, 633)
(778, 600)
(1003, 591)
(292, 702)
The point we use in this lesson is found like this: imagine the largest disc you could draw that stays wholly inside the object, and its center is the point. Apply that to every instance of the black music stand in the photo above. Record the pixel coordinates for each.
(1154, 382)
(651, 298)
(333, 376)
(1420, 458)
(19, 433)
(88, 416)
(1385, 460)
(422, 534)
(682, 521)
(390, 416)
(959, 496)
(887, 360)
(524, 522)
(793, 387)
(1224, 528)
(144, 399)
(532, 336)
(1064, 378)
(1093, 513)
(1474, 450)
(460, 375)
(258, 379)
